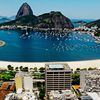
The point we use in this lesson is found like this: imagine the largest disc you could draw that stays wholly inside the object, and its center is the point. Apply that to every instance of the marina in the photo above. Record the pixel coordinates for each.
(48, 46)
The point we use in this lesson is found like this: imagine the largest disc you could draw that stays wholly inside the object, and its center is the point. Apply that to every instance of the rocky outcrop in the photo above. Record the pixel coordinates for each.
(24, 10)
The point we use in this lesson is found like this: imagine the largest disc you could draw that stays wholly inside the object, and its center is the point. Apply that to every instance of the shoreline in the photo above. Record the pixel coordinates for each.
(2, 43)
(72, 64)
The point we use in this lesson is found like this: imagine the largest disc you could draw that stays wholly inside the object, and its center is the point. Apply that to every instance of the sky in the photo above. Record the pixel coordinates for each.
(76, 9)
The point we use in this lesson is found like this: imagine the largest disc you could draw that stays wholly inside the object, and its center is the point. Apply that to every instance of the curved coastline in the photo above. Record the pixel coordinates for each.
(73, 64)
(2, 43)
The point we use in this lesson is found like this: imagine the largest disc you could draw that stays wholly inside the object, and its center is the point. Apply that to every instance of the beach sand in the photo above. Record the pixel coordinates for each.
(2, 43)
(73, 65)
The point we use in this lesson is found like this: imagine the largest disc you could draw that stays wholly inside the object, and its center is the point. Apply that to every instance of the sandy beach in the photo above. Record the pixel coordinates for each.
(73, 65)
(2, 43)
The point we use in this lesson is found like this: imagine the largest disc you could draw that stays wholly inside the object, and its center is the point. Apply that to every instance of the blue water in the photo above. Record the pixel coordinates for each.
(43, 47)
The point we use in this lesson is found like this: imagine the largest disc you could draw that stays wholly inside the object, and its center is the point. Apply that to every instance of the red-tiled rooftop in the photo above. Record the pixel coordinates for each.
(6, 88)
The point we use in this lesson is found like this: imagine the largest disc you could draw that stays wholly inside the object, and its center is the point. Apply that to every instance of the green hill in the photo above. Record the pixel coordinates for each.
(94, 23)
(47, 20)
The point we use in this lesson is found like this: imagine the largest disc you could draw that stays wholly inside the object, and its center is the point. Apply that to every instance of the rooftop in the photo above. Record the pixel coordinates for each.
(57, 66)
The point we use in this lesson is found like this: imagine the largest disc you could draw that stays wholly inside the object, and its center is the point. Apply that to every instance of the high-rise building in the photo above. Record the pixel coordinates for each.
(23, 81)
(90, 80)
(57, 77)
(28, 83)
(19, 82)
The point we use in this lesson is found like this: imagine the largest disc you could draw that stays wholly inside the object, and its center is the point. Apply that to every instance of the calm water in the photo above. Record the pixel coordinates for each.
(40, 47)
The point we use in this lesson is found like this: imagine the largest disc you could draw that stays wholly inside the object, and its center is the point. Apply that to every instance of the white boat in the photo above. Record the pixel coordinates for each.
(97, 41)
(26, 33)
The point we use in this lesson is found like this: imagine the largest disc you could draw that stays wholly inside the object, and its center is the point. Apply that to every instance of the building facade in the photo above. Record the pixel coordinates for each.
(19, 82)
(23, 81)
(28, 83)
(90, 80)
(57, 77)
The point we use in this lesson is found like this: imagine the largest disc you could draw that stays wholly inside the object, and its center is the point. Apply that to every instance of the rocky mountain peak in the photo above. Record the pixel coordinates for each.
(24, 10)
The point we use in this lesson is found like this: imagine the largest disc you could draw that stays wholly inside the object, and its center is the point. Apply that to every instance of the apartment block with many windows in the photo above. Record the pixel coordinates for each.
(57, 76)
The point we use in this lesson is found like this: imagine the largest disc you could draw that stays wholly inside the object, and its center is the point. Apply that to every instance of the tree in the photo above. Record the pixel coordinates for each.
(43, 76)
(16, 69)
(31, 69)
(12, 73)
(42, 94)
(21, 68)
(83, 69)
(25, 69)
(92, 68)
(75, 79)
(35, 69)
(42, 69)
(10, 67)
(78, 69)
(6, 77)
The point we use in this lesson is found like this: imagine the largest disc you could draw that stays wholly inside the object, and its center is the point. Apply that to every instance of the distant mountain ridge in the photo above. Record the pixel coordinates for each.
(94, 23)
(4, 19)
(12, 17)
(29, 20)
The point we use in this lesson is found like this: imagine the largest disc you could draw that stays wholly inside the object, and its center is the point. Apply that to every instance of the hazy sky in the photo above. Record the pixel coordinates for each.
(88, 9)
